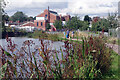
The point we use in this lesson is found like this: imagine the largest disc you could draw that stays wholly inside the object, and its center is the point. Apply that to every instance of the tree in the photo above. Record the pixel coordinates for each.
(106, 24)
(48, 26)
(3, 18)
(113, 21)
(75, 23)
(58, 24)
(19, 16)
(30, 18)
(99, 25)
(85, 25)
(87, 19)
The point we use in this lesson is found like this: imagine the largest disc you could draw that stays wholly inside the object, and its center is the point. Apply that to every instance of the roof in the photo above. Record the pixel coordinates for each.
(28, 24)
(53, 12)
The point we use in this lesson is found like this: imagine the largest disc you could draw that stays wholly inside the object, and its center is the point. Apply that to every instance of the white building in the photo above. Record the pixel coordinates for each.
(28, 26)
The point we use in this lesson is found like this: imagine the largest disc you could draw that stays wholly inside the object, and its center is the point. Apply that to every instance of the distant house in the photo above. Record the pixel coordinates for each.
(49, 17)
(28, 26)
(12, 24)
(95, 19)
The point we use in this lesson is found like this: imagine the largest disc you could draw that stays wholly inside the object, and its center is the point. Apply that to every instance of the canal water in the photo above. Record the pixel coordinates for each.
(57, 45)
(19, 41)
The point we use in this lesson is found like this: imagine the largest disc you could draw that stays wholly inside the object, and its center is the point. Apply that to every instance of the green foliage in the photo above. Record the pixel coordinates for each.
(30, 18)
(5, 17)
(19, 16)
(99, 25)
(8, 54)
(85, 25)
(87, 19)
(44, 35)
(48, 26)
(114, 69)
(75, 23)
(3, 70)
(113, 21)
(106, 24)
(36, 68)
(58, 24)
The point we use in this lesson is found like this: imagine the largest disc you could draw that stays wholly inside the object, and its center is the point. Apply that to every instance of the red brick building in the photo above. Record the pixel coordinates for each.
(95, 19)
(48, 16)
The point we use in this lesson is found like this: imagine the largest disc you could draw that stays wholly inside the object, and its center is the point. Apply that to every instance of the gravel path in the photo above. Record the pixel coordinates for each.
(114, 47)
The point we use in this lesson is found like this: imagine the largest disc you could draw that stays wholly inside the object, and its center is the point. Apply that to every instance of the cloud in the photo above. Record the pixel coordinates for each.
(80, 7)
(92, 6)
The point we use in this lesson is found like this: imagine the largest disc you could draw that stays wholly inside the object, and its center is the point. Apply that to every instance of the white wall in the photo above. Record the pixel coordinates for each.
(40, 18)
(63, 23)
(51, 23)
(27, 28)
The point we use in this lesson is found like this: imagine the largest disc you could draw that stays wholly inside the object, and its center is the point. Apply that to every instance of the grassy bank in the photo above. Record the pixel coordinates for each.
(44, 35)
(114, 72)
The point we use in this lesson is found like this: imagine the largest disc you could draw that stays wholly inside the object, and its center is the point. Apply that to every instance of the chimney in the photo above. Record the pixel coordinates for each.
(48, 8)
(48, 15)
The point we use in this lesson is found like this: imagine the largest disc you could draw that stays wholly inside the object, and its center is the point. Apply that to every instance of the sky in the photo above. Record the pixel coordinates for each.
(73, 7)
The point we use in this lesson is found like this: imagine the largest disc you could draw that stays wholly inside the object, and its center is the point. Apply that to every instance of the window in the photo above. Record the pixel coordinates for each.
(46, 16)
(41, 23)
(37, 24)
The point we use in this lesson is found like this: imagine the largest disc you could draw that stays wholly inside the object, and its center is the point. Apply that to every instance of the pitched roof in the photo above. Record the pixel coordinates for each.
(53, 12)
(28, 24)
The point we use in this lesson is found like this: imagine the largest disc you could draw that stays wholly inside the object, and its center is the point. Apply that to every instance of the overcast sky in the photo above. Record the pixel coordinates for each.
(72, 7)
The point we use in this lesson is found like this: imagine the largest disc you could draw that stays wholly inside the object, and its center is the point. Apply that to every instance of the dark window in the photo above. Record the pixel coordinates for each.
(41, 23)
(37, 23)
(46, 16)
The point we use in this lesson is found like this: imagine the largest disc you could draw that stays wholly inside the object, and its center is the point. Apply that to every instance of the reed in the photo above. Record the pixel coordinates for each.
(89, 59)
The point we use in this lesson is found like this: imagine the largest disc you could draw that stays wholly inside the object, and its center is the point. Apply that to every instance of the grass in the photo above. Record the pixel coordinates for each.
(44, 35)
(115, 65)
(114, 72)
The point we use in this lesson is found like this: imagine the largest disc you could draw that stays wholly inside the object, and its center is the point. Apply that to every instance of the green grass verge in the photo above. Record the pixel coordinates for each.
(114, 72)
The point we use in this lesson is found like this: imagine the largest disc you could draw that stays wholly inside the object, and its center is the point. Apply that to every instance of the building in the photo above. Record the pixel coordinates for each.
(95, 19)
(49, 17)
(28, 26)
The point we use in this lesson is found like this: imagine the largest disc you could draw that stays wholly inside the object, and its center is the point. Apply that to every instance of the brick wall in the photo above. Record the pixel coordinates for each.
(53, 17)
(67, 17)
(38, 24)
